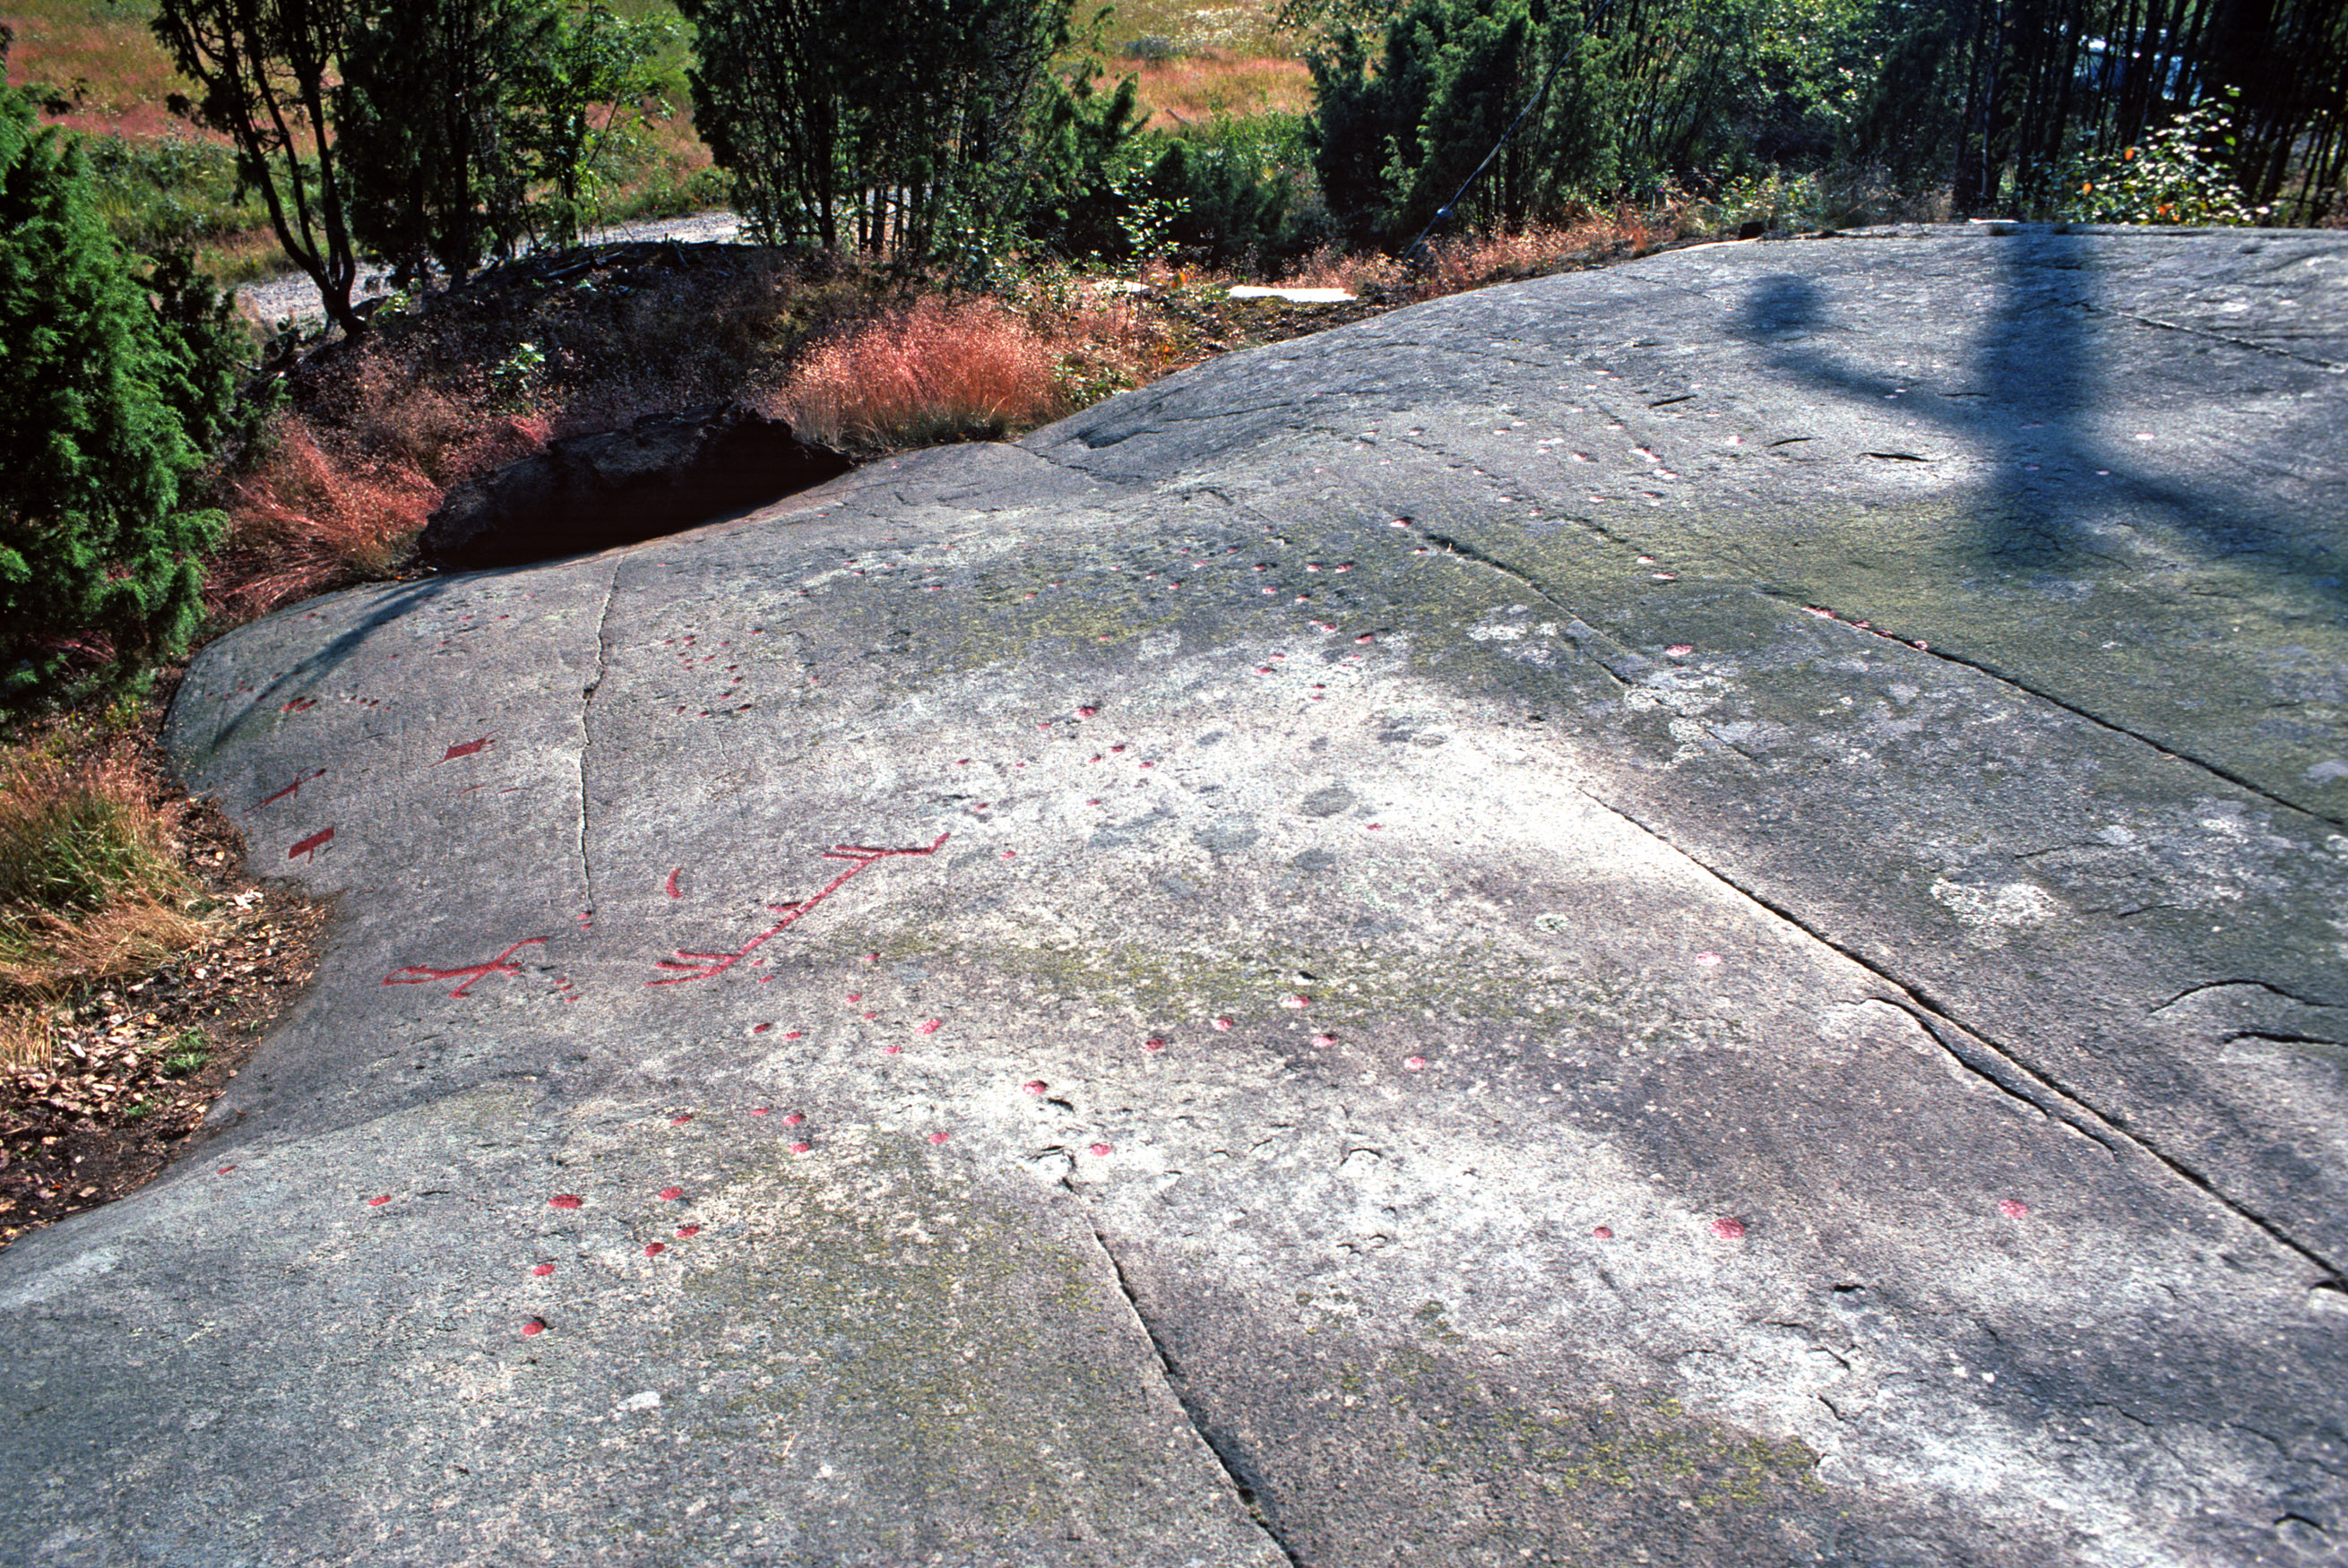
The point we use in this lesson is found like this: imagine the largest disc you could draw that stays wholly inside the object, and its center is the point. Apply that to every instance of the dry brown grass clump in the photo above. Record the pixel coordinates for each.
(1217, 83)
(936, 371)
(91, 884)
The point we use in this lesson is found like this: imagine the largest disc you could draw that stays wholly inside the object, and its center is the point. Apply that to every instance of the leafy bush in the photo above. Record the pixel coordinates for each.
(2174, 177)
(98, 560)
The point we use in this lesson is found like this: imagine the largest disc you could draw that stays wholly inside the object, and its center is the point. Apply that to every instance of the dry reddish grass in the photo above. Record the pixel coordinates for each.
(310, 519)
(99, 42)
(1214, 83)
(936, 371)
(1452, 265)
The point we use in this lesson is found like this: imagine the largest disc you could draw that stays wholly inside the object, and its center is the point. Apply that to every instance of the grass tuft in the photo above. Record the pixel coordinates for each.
(90, 886)
(935, 372)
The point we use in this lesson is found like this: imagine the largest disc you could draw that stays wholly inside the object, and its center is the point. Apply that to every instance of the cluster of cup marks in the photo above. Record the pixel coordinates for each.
(690, 966)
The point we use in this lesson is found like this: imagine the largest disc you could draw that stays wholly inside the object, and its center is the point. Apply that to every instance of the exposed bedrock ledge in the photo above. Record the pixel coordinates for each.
(665, 473)
(1392, 952)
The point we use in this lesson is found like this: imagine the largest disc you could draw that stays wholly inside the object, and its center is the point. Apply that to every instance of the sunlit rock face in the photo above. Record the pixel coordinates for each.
(1691, 913)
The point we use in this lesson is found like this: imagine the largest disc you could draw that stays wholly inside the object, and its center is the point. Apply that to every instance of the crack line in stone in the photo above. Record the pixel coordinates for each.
(586, 733)
(1994, 673)
(1245, 1493)
(1921, 1007)
(2322, 364)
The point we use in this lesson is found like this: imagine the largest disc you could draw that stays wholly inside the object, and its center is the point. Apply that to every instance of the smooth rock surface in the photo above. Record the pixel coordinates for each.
(1695, 913)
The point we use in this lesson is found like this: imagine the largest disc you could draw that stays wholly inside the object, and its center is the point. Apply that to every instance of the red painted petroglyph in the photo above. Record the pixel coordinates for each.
(293, 788)
(1728, 1229)
(692, 966)
(565, 1201)
(311, 846)
(465, 748)
(672, 882)
(419, 974)
(298, 705)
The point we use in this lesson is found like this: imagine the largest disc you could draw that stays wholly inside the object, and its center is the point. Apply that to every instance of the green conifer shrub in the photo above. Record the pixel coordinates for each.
(99, 562)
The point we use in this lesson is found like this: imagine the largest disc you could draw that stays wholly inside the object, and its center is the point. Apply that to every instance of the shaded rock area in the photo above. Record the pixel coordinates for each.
(663, 473)
(1683, 914)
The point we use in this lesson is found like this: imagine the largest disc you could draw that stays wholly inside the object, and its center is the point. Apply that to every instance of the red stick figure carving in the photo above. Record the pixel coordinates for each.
(465, 748)
(311, 846)
(418, 974)
(293, 788)
(706, 966)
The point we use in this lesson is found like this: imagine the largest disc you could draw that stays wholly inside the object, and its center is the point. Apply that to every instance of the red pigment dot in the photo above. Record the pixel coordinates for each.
(378, 1202)
(565, 1201)
(1372, 827)
(2012, 1208)
(533, 1326)
(758, 1109)
(1093, 802)
(1325, 1040)
(224, 1170)
(1153, 1043)
(760, 1028)
(1087, 712)
(891, 1048)
(1043, 724)
(1415, 1063)
(670, 1194)
(1034, 1086)
(655, 1249)
(543, 1269)
(1222, 1023)
(801, 1148)
(679, 1121)
(794, 1034)
(871, 957)
(1365, 637)
(1709, 960)
(1728, 1229)
(856, 996)
(794, 1119)
(1009, 855)
(938, 1137)
(688, 1230)
(1603, 1233)
(1150, 764)
(1102, 1151)
(1116, 748)
(1299, 1001)
(929, 1026)
(870, 1016)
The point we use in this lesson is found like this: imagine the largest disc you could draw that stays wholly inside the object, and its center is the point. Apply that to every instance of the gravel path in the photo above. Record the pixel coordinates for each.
(293, 294)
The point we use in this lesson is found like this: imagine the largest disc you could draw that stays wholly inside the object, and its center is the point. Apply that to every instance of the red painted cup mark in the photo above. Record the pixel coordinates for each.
(795, 1034)
(2012, 1208)
(1603, 1233)
(761, 1109)
(929, 1026)
(794, 1118)
(655, 1248)
(533, 1326)
(670, 1194)
(760, 1028)
(1374, 827)
(689, 1231)
(1415, 1063)
(1325, 1040)
(891, 1048)
(1297, 1002)
(1680, 650)
(376, 1202)
(801, 1148)
(565, 1201)
(1709, 960)
(1222, 1023)
(939, 1137)
(1728, 1229)
(1150, 764)
(1087, 712)
(1036, 1086)
(1009, 855)
(856, 996)
(1102, 1151)
(680, 1119)
(224, 1170)
(1365, 637)
(1153, 1043)
(871, 957)
(543, 1270)
(1116, 748)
